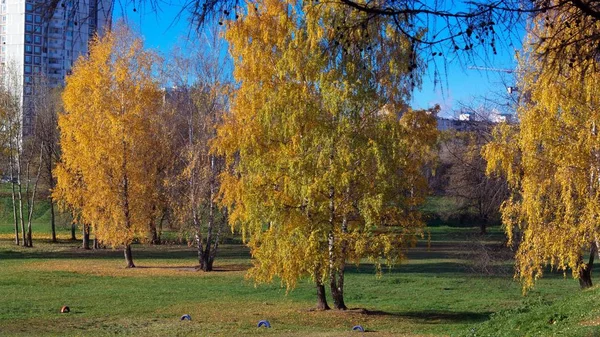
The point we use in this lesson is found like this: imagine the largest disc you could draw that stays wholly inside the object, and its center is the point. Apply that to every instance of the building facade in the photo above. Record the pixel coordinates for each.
(38, 41)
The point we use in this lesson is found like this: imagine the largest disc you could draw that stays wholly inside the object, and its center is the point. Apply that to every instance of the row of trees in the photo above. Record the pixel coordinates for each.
(135, 153)
(318, 161)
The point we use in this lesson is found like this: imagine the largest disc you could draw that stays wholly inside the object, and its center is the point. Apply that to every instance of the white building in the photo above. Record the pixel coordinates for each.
(36, 39)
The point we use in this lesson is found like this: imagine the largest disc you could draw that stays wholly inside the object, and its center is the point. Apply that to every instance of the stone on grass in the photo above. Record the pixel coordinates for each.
(186, 317)
(264, 323)
(358, 328)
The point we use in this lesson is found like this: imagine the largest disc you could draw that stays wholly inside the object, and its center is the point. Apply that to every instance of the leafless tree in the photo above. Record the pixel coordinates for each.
(466, 178)
(199, 98)
(46, 104)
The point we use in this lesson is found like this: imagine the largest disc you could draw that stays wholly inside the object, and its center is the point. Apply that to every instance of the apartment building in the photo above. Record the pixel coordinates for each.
(46, 37)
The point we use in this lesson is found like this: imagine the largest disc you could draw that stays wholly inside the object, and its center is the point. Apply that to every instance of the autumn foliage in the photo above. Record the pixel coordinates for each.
(111, 152)
(551, 158)
(324, 156)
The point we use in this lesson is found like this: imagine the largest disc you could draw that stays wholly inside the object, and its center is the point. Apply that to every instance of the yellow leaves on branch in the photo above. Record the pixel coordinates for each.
(314, 137)
(109, 140)
(552, 159)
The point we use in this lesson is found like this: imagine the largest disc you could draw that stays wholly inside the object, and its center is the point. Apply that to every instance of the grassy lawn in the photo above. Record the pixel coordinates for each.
(435, 293)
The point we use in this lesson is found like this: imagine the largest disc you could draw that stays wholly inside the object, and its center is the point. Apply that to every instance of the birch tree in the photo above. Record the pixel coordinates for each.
(111, 153)
(552, 158)
(324, 157)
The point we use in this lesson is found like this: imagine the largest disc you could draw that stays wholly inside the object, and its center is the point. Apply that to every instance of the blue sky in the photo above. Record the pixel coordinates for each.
(459, 85)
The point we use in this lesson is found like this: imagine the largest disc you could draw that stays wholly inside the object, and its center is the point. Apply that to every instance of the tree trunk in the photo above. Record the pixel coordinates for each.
(52, 220)
(20, 199)
(321, 298)
(86, 237)
(205, 262)
(129, 257)
(585, 274)
(336, 263)
(73, 237)
(96, 243)
(31, 199)
(155, 240)
(336, 272)
(14, 202)
(483, 225)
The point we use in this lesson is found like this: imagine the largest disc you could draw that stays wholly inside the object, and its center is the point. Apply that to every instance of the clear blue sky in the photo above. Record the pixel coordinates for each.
(163, 29)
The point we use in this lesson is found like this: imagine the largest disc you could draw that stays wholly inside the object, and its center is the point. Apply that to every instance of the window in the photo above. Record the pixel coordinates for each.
(28, 90)
(28, 28)
(28, 79)
(28, 49)
(29, 7)
(37, 60)
(37, 50)
(28, 17)
(28, 38)
(38, 29)
(27, 69)
(37, 39)
(37, 70)
(38, 19)
(27, 58)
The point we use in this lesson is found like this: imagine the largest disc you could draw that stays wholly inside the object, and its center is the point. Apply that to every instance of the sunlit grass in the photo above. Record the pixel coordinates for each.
(434, 293)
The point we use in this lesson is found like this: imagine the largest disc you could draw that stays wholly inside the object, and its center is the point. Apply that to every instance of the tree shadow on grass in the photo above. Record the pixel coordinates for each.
(411, 268)
(166, 252)
(435, 316)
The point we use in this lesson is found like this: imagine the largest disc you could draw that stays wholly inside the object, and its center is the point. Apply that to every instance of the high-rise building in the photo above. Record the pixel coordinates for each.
(37, 39)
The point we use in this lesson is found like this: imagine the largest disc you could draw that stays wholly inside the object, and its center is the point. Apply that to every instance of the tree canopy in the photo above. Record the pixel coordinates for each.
(551, 159)
(110, 146)
(322, 168)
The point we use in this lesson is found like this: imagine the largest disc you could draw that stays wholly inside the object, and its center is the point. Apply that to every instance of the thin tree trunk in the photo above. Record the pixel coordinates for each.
(73, 237)
(52, 220)
(336, 271)
(153, 231)
(129, 257)
(86, 237)
(14, 199)
(213, 251)
(31, 201)
(206, 264)
(48, 163)
(585, 274)
(125, 195)
(321, 298)
(20, 198)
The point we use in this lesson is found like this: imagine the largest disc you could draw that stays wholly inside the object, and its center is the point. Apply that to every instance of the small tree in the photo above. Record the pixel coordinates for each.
(46, 104)
(111, 153)
(198, 109)
(465, 173)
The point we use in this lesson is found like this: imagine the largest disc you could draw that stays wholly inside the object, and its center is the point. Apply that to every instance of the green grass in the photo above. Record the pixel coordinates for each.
(433, 293)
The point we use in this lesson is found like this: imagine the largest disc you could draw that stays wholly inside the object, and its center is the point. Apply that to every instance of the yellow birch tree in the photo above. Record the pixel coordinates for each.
(111, 152)
(321, 168)
(552, 158)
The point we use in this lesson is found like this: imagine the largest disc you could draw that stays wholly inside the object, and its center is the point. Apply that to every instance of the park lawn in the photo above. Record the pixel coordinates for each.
(434, 293)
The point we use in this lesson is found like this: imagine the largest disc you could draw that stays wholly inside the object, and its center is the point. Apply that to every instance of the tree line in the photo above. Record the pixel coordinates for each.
(311, 150)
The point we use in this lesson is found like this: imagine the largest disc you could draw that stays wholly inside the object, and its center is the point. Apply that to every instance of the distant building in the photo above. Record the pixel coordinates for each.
(467, 121)
(34, 42)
